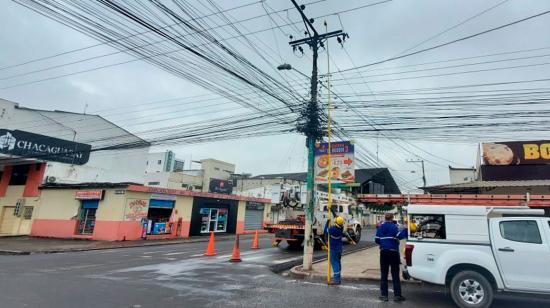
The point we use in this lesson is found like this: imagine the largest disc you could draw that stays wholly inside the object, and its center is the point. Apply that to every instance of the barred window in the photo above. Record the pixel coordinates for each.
(27, 212)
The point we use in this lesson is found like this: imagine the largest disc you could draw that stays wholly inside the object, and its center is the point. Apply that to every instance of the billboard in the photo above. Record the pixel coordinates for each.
(342, 163)
(30, 145)
(516, 153)
(220, 186)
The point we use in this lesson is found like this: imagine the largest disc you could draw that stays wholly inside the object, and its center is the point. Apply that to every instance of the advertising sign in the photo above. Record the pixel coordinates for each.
(25, 144)
(220, 186)
(516, 153)
(136, 210)
(342, 163)
(89, 194)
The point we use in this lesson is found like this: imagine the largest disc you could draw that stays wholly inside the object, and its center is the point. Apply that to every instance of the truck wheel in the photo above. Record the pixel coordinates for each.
(470, 289)
(294, 244)
(357, 236)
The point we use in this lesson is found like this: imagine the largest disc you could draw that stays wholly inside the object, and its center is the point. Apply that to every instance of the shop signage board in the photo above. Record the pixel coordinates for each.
(30, 145)
(254, 206)
(89, 194)
(516, 153)
(342, 163)
(220, 186)
(163, 197)
(136, 210)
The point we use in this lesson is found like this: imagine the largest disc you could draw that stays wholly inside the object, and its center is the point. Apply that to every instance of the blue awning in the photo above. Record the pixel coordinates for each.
(165, 204)
(90, 204)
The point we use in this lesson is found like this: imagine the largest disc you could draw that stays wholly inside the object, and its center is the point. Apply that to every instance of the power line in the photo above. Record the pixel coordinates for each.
(450, 42)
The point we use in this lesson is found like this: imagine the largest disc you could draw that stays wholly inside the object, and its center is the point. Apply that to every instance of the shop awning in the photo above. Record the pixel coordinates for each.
(165, 204)
(90, 204)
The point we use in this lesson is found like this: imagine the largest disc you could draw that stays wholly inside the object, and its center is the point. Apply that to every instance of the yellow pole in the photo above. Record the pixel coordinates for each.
(329, 133)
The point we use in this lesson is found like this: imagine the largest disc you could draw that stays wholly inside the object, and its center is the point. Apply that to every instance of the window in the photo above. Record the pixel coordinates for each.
(429, 226)
(340, 209)
(27, 212)
(19, 175)
(159, 162)
(153, 183)
(216, 168)
(524, 231)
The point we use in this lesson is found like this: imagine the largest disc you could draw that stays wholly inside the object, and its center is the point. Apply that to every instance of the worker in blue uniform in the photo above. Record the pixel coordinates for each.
(336, 232)
(388, 237)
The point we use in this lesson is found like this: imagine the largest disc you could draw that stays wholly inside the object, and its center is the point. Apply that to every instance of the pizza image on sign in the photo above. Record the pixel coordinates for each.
(340, 168)
(497, 154)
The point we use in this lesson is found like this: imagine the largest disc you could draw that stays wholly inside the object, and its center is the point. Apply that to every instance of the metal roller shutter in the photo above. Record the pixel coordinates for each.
(253, 219)
(253, 216)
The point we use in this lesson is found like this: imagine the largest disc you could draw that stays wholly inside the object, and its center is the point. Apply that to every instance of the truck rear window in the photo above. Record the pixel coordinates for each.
(429, 226)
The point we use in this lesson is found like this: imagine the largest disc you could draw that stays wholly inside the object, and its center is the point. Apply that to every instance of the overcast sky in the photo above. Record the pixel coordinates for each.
(376, 33)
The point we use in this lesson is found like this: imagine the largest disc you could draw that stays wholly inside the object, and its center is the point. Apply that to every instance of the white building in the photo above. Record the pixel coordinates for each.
(164, 162)
(462, 175)
(211, 173)
(121, 160)
(38, 146)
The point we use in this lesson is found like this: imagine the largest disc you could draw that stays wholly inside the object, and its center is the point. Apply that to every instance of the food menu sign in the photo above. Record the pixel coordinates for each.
(516, 153)
(342, 163)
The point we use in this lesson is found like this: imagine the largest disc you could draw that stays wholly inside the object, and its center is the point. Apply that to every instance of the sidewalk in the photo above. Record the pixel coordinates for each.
(362, 265)
(26, 245)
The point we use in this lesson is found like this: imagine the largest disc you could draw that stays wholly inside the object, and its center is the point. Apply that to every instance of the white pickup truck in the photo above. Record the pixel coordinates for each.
(476, 251)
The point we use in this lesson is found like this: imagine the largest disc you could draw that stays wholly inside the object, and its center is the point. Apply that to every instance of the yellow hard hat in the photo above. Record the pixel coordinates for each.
(339, 221)
(412, 227)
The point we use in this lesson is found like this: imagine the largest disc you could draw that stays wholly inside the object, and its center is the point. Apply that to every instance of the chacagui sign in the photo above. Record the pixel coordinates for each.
(30, 145)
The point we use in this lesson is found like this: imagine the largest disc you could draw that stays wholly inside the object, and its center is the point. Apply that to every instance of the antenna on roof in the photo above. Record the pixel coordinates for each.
(85, 107)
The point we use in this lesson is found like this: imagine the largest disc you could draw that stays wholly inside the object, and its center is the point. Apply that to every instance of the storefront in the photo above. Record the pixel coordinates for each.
(160, 213)
(119, 211)
(89, 203)
(254, 216)
(213, 215)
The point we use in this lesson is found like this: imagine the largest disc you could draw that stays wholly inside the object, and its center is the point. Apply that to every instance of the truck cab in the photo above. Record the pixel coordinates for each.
(476, 251)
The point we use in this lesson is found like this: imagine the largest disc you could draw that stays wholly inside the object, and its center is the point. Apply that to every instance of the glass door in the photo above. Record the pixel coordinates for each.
(213, 220)
(87, 221)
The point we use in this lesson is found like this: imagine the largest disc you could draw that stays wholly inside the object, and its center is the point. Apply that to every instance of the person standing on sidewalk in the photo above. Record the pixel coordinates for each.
(336, 232)
(388, 237)
(335, 243)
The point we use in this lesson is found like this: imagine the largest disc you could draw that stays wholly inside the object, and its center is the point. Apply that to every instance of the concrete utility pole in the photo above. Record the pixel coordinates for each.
(423, 172)
(310, 122)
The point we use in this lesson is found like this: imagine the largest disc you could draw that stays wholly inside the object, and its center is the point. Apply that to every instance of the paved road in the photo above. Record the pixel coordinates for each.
(179, 276)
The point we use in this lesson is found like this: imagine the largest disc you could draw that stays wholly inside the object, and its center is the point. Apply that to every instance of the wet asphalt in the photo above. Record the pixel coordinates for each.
(180, 276)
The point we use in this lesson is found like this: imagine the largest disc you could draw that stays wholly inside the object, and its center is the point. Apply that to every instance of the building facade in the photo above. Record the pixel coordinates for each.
(42, 146)
(117, 212)
(462, 175)
(206, 179)
(163, 162)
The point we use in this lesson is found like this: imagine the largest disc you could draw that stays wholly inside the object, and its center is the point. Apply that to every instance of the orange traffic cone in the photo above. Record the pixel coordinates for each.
(210, 251)
(236, 257)
(255, 241)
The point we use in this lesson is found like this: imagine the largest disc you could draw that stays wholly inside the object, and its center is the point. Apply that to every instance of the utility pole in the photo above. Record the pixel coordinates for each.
(311, 125)
(423, 171)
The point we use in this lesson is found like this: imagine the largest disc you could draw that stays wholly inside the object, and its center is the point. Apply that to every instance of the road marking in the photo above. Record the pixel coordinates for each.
(177, 253)
(242, 254)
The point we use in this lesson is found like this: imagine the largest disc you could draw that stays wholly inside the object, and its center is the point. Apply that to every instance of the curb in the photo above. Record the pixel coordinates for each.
(279, 268)
(297, 273)
(14, 253)
(141, 244)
